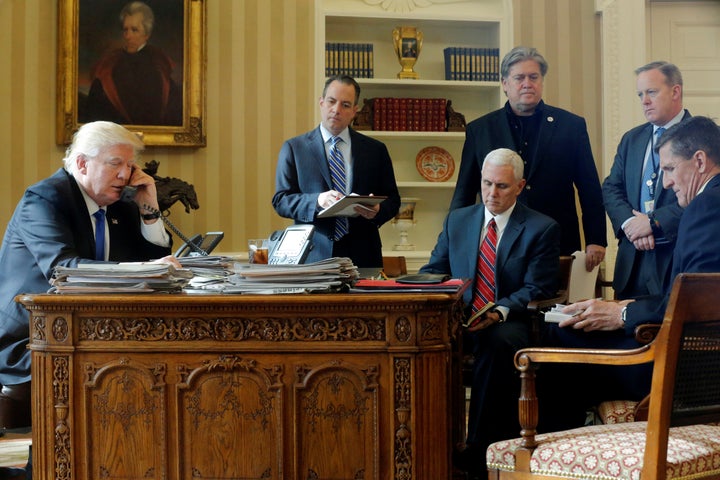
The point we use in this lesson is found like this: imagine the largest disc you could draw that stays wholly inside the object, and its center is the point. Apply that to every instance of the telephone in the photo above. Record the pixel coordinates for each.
(201, 245)
(128, 193)
(197, 245)
(290, 246)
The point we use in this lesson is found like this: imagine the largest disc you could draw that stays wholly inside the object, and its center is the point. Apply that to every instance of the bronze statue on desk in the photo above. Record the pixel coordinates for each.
(171, 190)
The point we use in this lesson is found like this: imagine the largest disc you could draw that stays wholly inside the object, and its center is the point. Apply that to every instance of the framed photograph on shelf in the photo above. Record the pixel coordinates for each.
(137, 63)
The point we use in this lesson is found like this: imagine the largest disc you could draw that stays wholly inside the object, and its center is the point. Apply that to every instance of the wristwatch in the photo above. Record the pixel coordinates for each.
(150, 216)
(623, 314)
(501, 317)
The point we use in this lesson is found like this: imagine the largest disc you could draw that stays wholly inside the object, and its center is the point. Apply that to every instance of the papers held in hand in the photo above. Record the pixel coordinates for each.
(345, 207)
(556, 315)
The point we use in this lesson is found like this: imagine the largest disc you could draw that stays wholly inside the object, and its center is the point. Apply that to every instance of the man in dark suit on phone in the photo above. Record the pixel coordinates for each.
(58, 223)
(306, 179)
(526, 266)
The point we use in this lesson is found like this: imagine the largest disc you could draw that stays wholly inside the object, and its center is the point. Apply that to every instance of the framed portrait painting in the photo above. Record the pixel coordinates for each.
(137, 63)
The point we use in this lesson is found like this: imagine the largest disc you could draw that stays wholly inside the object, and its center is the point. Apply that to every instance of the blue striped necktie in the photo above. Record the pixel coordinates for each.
(650, 175)
(337, 174)
(99, 234)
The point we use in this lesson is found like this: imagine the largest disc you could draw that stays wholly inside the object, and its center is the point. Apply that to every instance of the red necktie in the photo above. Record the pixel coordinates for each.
(485, 275)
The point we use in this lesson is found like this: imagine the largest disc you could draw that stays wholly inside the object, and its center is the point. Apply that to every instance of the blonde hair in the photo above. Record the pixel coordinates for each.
(93, 137)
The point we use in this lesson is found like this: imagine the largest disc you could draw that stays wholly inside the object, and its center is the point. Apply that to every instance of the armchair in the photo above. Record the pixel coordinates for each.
(678, 439)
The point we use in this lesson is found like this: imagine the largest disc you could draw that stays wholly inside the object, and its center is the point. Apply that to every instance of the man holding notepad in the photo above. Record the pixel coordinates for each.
(321, 167)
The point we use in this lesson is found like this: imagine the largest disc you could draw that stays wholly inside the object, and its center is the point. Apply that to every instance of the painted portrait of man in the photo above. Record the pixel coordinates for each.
(130, 62)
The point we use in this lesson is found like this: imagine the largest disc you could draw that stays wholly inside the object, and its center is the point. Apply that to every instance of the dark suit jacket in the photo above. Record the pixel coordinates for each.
(526, 268)
(621, 193)
(51, 226)
(303, 173)
(563, 160)
(696, 251)
(527, 260)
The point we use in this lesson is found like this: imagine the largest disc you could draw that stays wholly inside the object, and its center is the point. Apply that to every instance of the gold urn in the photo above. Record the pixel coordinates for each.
(408, 43)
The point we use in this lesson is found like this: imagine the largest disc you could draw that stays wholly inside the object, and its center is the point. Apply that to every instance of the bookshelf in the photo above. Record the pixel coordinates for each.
(470, 24)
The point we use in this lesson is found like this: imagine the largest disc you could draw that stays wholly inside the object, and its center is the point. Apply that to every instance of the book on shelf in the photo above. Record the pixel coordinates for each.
(409, 114)
(354, 59)
(472, 64)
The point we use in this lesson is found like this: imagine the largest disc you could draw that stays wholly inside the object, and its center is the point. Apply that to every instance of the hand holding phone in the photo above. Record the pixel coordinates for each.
(145, 190)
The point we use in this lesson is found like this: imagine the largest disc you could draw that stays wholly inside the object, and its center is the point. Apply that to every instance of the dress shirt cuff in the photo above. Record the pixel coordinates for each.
(155, 233)
(504, 310)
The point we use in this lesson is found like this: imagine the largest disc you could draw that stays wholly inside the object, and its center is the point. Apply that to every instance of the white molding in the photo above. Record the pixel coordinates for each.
(406, 6)
(623, 49)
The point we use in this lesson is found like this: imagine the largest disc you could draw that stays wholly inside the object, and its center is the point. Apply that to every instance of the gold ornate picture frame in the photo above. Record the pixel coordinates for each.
(90, 43)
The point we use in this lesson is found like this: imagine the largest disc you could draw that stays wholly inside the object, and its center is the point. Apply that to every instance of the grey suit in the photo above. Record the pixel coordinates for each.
(303, 173)
(51, 226)
(621, 194)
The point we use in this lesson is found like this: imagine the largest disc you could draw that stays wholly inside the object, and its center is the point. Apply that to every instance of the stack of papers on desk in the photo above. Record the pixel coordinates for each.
(208, 269)
(119, 278)
(331, 275)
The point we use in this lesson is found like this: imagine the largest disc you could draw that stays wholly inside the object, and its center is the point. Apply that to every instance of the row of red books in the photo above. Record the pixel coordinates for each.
(409, 114)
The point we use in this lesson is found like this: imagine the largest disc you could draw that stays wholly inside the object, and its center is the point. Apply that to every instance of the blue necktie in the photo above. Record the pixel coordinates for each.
(99, 234)
(650, 176)
(337, 174)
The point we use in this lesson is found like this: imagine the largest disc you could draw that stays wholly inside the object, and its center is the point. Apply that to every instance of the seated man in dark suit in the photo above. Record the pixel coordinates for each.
(525, 267)
(56, 223)
(690, 162)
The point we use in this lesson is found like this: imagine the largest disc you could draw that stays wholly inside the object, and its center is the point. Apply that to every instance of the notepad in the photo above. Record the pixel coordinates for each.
(345, 207)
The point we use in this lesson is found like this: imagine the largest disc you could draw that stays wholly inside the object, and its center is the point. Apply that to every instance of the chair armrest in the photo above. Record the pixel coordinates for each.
(646, 332)
(585, 355)
(527, 360)
(536, 306)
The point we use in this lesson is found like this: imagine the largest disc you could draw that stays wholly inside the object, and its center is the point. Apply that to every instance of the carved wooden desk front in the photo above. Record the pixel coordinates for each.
(242, 387)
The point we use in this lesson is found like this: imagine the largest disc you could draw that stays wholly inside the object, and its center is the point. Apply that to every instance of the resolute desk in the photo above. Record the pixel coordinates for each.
(163, 386)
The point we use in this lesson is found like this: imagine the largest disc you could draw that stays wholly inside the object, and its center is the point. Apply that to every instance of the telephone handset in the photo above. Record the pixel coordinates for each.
(291, 246)
(128, 193)
(198, 245)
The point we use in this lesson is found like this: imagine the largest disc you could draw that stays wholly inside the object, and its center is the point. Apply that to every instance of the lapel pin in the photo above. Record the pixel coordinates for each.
(550, 119)
(114, 221)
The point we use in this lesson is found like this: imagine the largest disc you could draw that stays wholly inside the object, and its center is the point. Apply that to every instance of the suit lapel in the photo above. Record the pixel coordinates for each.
(474, 232)
(316, 146)
(546, 132)
(512, 232)
(663, 191)
(501, 132)
(633, 170)
(713, 183)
